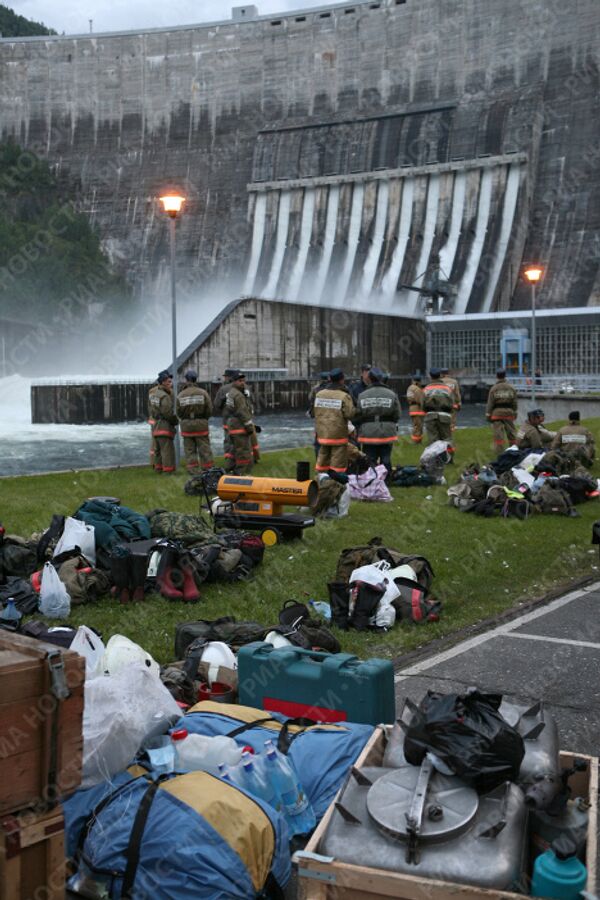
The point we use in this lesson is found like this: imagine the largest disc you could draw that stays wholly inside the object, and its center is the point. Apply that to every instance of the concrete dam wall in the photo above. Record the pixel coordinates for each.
(333, 155)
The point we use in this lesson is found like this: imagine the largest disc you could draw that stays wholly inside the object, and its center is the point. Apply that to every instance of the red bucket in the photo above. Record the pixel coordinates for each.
(218, 692)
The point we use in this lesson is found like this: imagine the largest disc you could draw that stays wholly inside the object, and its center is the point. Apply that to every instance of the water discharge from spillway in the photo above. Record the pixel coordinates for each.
(389, 285)
(283, 221)
(483, 213)
(306, 225)
(372, 260)
(333, 204)
(508, 215)
(258, 235)
(448, 251)
(353, 238)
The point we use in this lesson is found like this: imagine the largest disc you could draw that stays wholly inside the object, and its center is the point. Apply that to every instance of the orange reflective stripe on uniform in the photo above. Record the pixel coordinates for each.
(332, 442)
(417, 412)
(194, 433)
(377, 440)
(163, 433)
(416, 438)
(237, 431)
(437, 387)
(502, 418)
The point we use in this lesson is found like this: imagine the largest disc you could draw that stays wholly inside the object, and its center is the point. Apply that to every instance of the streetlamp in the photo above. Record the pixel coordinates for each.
(533, 274)
(172, 204)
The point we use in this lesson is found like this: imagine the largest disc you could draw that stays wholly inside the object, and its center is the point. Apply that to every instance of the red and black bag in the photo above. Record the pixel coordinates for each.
(414, 603)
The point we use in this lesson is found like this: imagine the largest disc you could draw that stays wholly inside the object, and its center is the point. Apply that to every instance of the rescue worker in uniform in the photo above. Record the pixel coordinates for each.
(323, 382)
(457, 397)
(220, 410)
(377, 413)
(161, 409)
(414, 396)
(152, 423)
(333, 410)
(239, 424)
(575, 440)
(257, 428)
(501, 411)
(362, 384)
(438, 401)
(532, 435)
(194, 409)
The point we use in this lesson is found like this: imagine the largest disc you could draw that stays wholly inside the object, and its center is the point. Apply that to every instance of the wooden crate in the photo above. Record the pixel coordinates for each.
(39, 733)
(32, 856)
(325, 878)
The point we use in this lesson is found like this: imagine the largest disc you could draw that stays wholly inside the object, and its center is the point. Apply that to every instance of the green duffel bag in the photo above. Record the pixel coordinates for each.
(227, 629)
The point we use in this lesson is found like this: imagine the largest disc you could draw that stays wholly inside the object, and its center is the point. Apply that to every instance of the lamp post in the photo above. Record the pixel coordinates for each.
(172, 204)
(533, 274)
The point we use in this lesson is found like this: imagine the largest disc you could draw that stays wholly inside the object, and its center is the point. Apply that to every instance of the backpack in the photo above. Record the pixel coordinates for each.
(553, 500)
(17, 557)
(461, 496)
(578, 487)
(411, 476)
(178, 835)
(227, 629)
(84, 583)
(179, 526)
(297, 625)
(413, 604)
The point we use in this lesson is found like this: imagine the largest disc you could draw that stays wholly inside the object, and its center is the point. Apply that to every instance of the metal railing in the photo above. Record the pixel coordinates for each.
(558, 384)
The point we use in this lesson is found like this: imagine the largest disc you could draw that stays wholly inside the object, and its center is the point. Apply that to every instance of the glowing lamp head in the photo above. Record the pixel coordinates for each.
(533, 274)
(172, 204)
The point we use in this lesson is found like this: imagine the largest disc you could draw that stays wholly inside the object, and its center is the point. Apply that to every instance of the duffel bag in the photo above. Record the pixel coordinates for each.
(226, 629)
(321, 754)
(414, 604)
(186, 836)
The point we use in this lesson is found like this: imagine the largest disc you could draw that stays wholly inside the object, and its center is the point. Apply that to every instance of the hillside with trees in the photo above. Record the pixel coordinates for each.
(52, 266)
(13, 25)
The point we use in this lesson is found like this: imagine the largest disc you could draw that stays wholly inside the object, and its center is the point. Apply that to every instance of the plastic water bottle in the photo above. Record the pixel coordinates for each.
(297, 810)
(253, 780)
(322, 609)
(558, 872)
(10, 614)
(197, 751)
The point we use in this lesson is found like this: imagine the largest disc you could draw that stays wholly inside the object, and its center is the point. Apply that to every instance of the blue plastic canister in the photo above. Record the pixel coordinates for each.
(558, 872)
(326, 687)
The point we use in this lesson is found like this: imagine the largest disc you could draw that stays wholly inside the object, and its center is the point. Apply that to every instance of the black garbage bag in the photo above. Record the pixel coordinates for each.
(468, 734)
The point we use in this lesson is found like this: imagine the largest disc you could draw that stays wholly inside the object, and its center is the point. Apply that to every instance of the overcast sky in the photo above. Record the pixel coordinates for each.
(72, 16)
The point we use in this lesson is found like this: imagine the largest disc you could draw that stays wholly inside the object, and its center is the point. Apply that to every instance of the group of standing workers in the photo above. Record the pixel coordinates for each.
(363, 414)
(191, 410)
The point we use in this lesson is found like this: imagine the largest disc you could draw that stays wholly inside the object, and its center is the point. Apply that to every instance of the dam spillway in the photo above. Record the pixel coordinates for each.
(333, 155)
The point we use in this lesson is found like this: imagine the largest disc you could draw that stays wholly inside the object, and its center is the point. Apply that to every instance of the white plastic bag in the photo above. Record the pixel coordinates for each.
(385, 614)
(54, 598)
(121, 712)
(89, 645)
(78, 534)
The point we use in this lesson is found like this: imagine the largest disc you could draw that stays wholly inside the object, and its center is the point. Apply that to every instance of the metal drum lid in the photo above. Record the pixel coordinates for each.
(450, 805)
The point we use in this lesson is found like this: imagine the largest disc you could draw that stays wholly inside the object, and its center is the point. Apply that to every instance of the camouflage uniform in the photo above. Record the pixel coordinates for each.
(164, 428)
(456, 398)
(152, 423)
(414, 396)
(240, 428)
(220, 410)
(194, 408)
(575, 440)
(501, 411)
(438, 400)
(333, 409)
(534, 437)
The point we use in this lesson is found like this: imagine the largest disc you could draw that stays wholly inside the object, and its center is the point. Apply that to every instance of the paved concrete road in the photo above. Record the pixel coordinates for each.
(552, 653)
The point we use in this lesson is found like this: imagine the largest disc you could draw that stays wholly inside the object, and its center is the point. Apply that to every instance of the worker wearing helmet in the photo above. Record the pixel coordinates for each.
(194, 409)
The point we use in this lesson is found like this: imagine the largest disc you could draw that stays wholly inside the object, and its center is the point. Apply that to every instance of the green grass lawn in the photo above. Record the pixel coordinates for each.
(482, 566)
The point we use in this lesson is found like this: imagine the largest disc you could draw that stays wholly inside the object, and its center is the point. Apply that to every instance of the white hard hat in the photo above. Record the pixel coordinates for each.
(217, 653)
(121, 652)
(277, 640)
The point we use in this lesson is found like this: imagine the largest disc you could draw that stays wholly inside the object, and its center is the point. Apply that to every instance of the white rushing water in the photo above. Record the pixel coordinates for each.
(410, 298)
(448, 251)
(308, 209)
(353, 238)
(258, 234)
(333, 202)
(390, 279)
(370, 267)
(483, 214)
(283, 221)
(508, 214)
